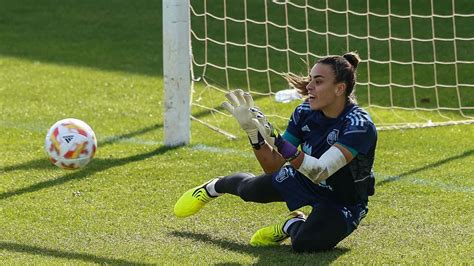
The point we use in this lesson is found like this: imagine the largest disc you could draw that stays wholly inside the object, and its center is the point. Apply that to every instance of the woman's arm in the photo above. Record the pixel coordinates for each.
(270, 160)
(318, 170)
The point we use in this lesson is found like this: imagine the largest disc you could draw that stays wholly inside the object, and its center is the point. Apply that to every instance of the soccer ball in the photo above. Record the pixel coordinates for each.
(70, 143)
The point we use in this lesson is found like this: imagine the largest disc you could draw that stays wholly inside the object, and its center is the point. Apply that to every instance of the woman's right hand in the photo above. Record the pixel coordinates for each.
(239, 105)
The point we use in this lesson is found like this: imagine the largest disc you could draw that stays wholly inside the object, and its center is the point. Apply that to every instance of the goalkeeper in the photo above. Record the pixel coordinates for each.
(332, 173)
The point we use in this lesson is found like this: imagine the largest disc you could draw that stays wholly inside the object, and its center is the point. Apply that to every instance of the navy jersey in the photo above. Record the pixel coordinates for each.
(353, 129)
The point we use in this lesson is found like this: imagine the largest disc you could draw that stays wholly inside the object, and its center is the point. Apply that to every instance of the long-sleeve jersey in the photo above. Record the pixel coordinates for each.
(315, 134)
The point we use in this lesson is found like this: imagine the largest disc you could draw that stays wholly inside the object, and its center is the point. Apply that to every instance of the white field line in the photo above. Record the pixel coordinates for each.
(34, 127)
(211, 149)
(197, 147)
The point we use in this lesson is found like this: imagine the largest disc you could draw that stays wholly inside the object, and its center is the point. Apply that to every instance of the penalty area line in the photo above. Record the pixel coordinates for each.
(194, 147)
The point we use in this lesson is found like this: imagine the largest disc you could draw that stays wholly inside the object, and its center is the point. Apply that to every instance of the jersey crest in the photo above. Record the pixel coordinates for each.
(333, 136)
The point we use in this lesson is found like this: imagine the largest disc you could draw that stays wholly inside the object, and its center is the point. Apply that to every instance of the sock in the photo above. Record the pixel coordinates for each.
(211, 188)
(289, 223)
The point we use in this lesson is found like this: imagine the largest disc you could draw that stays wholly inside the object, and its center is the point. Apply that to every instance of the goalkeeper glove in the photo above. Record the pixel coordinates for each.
(240, 103)
(273, 137)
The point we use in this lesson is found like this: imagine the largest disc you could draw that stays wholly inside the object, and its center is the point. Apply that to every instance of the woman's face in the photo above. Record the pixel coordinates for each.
(322, 89)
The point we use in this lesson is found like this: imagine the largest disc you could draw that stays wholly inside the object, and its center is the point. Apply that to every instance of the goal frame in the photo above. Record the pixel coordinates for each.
(176, 72)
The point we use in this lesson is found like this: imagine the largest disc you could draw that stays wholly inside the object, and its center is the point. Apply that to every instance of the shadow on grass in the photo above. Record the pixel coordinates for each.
(111, 35)
(114, 139)
(432, 165)
(98, 165)
(267, 255)
(108, 35)
(14, 247)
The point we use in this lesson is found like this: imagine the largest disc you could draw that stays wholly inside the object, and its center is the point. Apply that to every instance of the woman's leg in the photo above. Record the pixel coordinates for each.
(323, 229)
(249, 187)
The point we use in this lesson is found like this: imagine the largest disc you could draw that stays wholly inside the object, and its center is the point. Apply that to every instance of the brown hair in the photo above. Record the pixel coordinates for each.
(344, 68)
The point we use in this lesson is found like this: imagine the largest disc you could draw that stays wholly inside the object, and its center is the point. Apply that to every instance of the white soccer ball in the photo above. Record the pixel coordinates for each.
(70, 143)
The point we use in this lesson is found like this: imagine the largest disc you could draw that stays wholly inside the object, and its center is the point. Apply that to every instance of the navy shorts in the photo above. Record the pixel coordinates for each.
(298, 192)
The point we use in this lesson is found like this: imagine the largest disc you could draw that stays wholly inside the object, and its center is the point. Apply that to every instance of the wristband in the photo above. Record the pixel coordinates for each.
(286, 149)
(260, 142)
(294, 156)
(256, 146)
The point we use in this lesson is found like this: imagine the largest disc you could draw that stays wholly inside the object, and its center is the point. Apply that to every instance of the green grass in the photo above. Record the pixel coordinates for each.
(100, 61)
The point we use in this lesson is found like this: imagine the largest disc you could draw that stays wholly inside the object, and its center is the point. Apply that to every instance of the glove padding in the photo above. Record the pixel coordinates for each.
(265, 129)
(239, 106)
(272, 136)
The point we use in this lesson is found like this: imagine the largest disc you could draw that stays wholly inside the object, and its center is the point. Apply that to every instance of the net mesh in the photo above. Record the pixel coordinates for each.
(417, 61)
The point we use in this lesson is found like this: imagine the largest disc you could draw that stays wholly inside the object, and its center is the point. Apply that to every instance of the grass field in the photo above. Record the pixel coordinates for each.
(100, 61)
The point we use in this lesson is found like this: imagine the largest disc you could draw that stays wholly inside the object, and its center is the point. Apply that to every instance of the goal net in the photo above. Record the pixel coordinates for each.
(417, 56)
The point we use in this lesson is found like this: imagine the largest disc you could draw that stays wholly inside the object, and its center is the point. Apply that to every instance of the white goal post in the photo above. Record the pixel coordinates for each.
(176, 72)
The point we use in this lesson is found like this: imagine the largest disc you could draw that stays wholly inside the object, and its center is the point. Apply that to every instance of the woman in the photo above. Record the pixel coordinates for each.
(333, 173)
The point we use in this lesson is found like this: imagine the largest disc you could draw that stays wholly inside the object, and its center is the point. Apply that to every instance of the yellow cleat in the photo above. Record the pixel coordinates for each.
(273, 235)
(192, 201)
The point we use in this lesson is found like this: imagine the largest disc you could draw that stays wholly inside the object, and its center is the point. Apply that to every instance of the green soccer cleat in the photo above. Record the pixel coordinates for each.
(192, 201)
(273, 235)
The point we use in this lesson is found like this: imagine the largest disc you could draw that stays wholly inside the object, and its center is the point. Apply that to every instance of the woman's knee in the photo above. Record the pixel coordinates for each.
(246, 191)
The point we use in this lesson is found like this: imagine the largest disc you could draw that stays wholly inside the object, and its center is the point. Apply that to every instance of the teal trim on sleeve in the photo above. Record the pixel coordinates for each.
(290, 138)
(353, 151)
